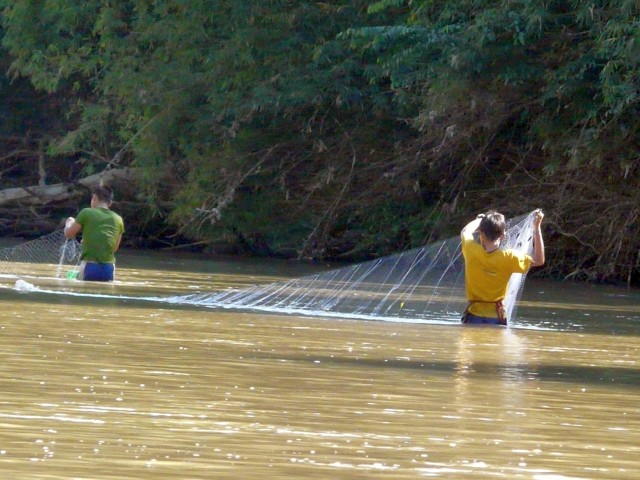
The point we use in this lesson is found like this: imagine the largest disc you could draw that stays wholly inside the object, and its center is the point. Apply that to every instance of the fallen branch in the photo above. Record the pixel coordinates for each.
(59, 192)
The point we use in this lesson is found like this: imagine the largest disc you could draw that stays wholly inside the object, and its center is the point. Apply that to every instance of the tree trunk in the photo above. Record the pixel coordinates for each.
(59, 192)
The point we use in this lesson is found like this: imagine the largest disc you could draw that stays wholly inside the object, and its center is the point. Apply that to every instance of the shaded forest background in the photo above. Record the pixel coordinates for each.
(340, 130)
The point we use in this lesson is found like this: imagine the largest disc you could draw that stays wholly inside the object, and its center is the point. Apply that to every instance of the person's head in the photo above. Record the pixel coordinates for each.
(492, 225)
(102, 194)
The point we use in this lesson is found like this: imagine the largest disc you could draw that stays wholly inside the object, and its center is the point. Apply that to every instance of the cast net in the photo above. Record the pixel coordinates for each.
(423, 284)
(50, 253)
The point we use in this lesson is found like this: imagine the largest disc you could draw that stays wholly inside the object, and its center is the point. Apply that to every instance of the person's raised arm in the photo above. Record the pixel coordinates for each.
(538, 257)
(471, 227)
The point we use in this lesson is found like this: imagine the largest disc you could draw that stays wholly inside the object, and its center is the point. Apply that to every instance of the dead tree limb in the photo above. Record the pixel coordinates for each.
(59, 192)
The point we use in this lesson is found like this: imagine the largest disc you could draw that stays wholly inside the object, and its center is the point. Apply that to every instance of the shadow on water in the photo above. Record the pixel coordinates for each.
(517, 372)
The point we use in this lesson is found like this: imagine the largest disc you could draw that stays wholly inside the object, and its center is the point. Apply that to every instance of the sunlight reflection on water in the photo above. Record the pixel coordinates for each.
(103, 387)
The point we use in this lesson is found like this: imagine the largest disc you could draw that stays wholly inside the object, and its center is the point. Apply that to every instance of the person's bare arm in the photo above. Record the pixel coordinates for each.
(71, 228)
(538, 257)
(471, 227)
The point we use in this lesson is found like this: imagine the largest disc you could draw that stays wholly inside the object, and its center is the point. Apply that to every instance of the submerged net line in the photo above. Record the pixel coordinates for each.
(53, 249)
(425, 283)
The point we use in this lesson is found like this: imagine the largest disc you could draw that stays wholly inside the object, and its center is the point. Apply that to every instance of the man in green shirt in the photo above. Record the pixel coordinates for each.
(102, 231)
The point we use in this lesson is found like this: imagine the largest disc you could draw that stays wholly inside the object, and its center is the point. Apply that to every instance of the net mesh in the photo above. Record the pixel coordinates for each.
(423, 284)
(53, 249)
(426, 283)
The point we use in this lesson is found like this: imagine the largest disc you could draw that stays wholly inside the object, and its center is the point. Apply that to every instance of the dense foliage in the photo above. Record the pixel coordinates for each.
(351, 128)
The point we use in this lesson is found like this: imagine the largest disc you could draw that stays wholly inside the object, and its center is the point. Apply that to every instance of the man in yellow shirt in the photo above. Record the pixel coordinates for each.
(488, 268)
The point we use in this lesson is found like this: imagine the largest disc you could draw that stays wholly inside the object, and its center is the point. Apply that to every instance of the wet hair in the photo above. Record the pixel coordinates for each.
(492, 225)
(103, 192)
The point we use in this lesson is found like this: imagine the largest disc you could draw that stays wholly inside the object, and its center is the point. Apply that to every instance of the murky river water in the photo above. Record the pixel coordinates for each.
(105, 388)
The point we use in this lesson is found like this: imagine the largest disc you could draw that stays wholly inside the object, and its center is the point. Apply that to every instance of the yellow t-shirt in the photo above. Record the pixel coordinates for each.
(487, 274)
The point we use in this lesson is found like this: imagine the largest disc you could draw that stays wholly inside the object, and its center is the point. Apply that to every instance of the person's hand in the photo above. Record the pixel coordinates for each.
(71, 228)
(539, 215)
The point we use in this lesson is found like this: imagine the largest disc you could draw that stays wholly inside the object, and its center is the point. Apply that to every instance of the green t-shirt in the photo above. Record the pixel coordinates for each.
(101, 229)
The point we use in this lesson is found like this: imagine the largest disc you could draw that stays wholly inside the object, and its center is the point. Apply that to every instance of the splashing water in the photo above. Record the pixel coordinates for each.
(64, 254)
(22, 286)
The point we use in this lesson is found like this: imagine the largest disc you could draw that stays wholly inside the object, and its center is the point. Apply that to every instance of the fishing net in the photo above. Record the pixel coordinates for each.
(425, 283)
(53, 249)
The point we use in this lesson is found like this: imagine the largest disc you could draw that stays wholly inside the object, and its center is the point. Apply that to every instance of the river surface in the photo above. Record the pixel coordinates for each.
(97, 384)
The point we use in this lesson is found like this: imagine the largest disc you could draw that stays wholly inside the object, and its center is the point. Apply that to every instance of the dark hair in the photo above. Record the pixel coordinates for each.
(492, 225)
(103, 192)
